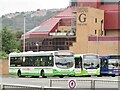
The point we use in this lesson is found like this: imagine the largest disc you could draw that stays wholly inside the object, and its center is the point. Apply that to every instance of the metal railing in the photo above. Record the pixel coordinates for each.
(62, 84)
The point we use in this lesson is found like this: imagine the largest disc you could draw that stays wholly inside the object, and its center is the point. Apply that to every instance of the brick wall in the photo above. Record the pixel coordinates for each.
(4, 67)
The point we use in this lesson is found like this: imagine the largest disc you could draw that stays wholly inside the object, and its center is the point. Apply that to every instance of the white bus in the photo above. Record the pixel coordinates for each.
(43, 63)
(87, 64)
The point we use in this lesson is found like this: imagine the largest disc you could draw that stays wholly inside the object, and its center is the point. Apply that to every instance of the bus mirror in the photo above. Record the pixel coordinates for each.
(98, 66)
(92, 63)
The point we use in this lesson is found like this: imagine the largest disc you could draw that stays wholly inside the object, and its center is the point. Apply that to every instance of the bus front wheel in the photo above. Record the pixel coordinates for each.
(113, 75)
(19, 73)
(61, 76)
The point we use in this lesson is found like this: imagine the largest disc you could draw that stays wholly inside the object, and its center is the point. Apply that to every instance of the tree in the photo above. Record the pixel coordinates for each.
(18, 34)
(18, 40)
(8, 40)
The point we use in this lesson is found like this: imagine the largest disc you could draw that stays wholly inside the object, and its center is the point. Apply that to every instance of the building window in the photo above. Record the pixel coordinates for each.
(70, 43)
(95, 31)
(101, 33)
(105, 33)
(95, 20)
(103, 2)
(73, 2)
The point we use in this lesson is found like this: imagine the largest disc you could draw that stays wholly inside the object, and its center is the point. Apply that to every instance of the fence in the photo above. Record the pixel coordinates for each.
(67, 85)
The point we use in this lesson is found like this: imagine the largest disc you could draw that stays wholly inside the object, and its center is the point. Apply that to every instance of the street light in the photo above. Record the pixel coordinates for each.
(37, 46)
(97, 48)
(24, 35)
(100, 33)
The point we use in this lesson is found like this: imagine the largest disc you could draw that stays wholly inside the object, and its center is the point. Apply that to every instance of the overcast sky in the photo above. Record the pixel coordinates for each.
(11, 6)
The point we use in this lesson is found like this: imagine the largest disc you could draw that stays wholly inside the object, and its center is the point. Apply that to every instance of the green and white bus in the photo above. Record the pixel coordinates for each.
(44, 63)
(87, 64)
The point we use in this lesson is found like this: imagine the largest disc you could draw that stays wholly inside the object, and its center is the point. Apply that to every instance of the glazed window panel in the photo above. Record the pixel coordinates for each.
(103, 2)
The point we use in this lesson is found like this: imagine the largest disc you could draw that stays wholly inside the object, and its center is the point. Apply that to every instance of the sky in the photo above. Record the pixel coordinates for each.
(12, 6)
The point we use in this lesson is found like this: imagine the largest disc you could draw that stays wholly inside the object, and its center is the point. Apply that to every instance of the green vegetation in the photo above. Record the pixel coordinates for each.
(13, 25)
(10, 42)
(16, 22)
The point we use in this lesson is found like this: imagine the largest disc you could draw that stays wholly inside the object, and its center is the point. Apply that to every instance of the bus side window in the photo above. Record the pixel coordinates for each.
(46, 61)
(16, 61)
(50, 61)
(41, 61)
(78, 62)
(103, 62)
(119, 63)
(37, 62)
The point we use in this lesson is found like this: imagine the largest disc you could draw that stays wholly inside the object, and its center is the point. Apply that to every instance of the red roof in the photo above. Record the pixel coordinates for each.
(51, 21)
(44, 28)
(68, 13)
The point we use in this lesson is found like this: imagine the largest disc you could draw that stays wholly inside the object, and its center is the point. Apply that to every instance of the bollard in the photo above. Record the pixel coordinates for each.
(42, 88)
(92, 84)
(1, 87)
(50, 83)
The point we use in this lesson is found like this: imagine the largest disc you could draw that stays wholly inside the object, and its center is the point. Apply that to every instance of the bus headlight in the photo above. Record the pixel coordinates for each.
(84, 69)
(110, 72)
(98, 70)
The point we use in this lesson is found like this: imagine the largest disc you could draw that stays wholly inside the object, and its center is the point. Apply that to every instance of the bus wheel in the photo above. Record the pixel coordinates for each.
(61, 76)
(43, 74)
(99, 75)
(19, 73)
(113, 75)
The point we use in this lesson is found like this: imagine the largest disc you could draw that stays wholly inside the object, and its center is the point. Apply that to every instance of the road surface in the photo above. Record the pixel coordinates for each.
(80, 82)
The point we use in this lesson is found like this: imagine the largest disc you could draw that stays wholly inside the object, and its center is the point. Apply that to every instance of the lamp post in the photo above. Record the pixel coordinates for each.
(24, 35)
(97, 38)
(37, 46)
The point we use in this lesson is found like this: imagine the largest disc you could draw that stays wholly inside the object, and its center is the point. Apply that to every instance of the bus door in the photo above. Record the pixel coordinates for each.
(78, 65)
(104, 66)
(119, 66)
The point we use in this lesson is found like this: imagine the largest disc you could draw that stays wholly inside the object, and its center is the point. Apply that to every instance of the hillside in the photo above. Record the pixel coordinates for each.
(15, 21)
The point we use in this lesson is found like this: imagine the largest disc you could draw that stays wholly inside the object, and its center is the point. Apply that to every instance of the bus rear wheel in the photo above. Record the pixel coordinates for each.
(43, 74)
(61, 76)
